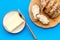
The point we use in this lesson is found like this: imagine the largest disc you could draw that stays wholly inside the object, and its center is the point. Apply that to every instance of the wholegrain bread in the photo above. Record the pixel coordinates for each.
(49, 6)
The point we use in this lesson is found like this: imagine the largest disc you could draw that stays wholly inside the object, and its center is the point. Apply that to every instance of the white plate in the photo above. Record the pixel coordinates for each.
(8, 15)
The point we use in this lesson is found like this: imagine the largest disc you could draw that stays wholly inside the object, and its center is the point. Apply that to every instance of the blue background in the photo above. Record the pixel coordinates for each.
(23, 5)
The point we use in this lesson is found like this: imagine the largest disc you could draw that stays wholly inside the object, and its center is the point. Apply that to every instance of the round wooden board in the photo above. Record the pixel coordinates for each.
(52, 22)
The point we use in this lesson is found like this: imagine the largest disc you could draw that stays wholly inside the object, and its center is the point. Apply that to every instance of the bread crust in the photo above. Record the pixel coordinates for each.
(49, 6)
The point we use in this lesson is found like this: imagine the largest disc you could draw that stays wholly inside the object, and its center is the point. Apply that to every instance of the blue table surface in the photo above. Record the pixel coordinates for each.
(23, 5)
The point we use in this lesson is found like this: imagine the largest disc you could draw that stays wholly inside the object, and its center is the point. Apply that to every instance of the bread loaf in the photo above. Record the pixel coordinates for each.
(51, 8)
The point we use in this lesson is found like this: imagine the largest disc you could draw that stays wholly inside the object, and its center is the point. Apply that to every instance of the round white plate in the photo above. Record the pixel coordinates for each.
(8, 15)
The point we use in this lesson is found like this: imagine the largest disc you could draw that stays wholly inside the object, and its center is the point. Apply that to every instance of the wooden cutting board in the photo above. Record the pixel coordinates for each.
(52, 22)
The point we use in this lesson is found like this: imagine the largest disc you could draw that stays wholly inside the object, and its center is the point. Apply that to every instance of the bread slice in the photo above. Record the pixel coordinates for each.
(50, 5)
(43, 19)
(13, 22)
(56, 12)
(43, 3)
(35, 10)
(53, 9)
